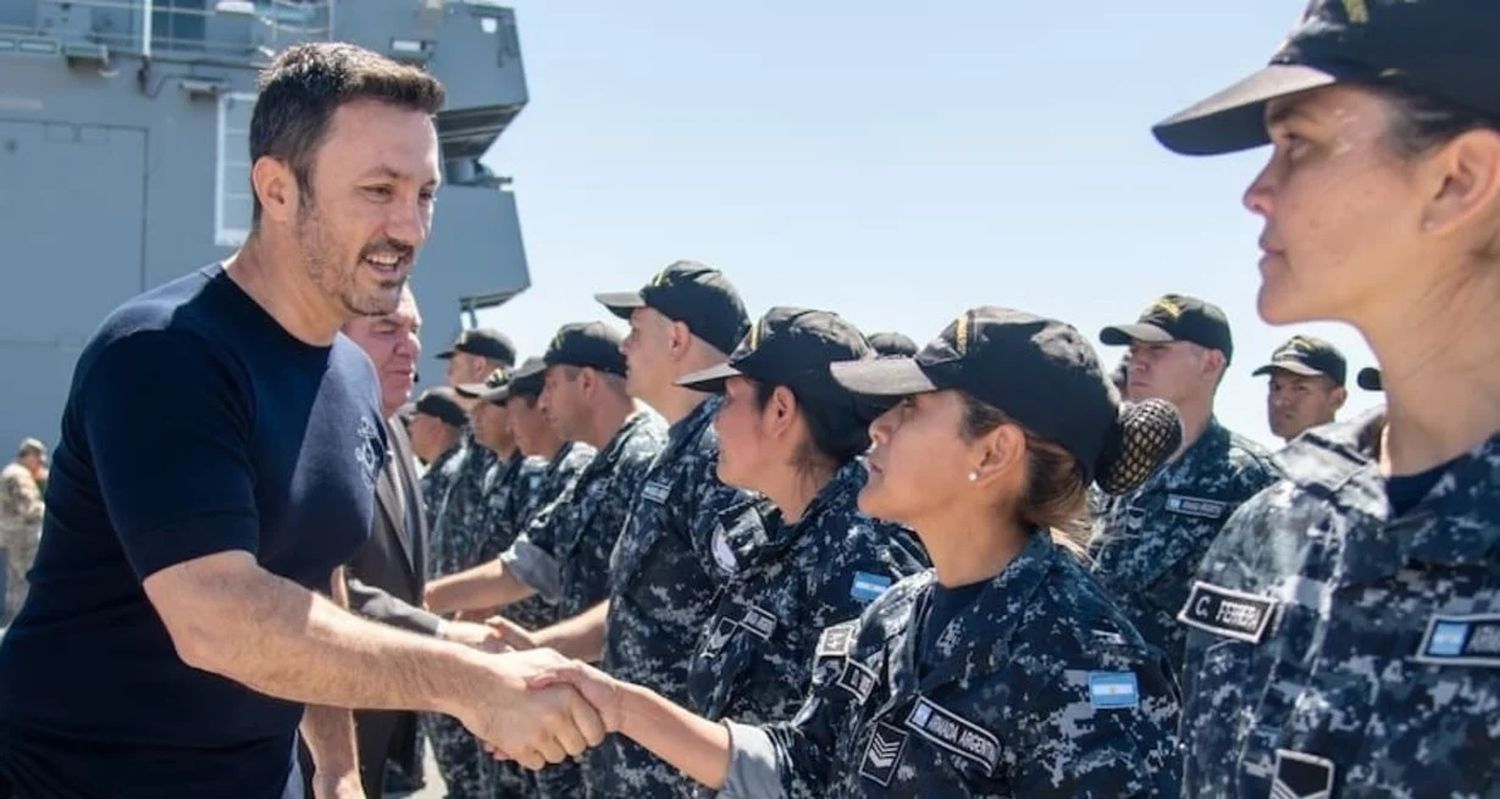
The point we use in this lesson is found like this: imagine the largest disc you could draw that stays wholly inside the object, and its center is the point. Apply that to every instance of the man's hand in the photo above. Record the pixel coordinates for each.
(599, 689)
(345, 786)
(511, 634)
(478, 636)
(535, 727)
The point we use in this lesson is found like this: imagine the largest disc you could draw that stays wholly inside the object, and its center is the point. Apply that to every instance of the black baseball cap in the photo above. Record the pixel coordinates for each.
(1442, 48)
(893, 345)
(527, 380)
(1040, 372)
(789, 347)
(484, 342)
(1176, 317)
(1369, 379)
(587, 344)
(1309, 357)
(693, 294)
(498, 380)
(442, 403)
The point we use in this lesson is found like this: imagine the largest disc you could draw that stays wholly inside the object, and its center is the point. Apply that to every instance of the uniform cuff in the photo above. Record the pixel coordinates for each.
(535, 567)
(752, 764)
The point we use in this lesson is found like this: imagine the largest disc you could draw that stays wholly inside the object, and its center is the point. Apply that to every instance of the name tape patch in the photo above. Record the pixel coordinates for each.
(868, 587)
(1234, 614)
(656, 491)
(858, 679)
(837, 641)
(1461, 640)
(1196, 506)
(954, 733)
(883, 754)
(1112, 690)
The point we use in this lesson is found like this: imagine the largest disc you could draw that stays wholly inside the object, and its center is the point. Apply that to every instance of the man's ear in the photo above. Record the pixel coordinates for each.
(275, 185)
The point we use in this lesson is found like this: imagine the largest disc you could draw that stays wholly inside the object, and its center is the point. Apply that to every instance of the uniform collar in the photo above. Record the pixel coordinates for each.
(1457, 523)
(978, 640)
(688, 427)
(772, 537)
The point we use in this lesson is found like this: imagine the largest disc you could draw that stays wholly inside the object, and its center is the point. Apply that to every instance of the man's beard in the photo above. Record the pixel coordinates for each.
(320, 259)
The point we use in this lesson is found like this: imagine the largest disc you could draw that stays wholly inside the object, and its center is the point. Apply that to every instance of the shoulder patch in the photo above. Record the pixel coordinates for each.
(868, 587)
(1471, 640)
(858, 679)
(1196, 506)
(1113, 690)
(657, 491)
(1234, 614)
(838, 640)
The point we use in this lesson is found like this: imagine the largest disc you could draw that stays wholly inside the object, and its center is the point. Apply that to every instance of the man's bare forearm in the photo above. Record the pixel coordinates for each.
(329, 731)
(581, 637)
(231, 617)
(488, 585)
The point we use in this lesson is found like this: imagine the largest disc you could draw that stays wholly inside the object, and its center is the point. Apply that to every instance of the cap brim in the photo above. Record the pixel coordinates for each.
(1370, 380)
(525, 372)
(446, 354)
(710, 380)
(621, 303)
(884, 377)
(1294, 367)
(1122, 335)
(1235, 118)
(471, 390)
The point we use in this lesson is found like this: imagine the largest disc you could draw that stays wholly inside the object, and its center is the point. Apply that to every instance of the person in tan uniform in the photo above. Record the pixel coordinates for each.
(20, 519)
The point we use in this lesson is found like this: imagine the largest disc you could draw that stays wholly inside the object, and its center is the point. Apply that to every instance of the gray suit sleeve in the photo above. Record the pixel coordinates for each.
(373, 603)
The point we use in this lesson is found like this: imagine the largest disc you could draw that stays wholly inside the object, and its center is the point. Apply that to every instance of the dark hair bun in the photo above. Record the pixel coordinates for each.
(1142, 438)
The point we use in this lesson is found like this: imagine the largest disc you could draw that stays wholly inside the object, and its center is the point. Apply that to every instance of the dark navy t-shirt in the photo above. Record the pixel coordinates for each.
(195, 424)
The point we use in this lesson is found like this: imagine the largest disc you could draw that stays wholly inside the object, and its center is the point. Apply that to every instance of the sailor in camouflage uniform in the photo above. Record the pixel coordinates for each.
(564, 462)
(438, 417)
(563, 554)
(1006, 671)
(787, 431)
(662, 575)
(481, 480)
(1148, 543)
(1346, 625)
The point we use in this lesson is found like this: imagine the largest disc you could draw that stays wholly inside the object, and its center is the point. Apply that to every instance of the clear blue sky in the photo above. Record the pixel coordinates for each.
(894, 162)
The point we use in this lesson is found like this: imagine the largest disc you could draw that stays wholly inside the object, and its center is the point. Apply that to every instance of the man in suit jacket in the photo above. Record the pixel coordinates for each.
(387, 575)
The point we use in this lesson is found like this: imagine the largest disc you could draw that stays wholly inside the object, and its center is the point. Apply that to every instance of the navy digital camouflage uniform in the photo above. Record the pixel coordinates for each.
(1148, 543)
(1040, 687)
(755, 657)
(457, 543)
(512, 504)
(564, 552)
(439, 477)
(1336, 648)
(662, 584)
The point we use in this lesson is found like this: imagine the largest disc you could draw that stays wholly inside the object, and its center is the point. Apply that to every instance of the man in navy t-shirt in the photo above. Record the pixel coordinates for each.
(218, 455)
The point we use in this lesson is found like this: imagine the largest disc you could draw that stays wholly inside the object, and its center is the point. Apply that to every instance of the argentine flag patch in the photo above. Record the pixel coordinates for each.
(1111, 690)
(867, 587)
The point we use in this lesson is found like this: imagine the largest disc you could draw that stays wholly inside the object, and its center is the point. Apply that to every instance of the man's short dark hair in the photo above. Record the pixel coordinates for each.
(302, 88)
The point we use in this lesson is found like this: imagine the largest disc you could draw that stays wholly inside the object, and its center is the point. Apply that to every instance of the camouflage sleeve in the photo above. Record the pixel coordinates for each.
(534, 566)
(797, 759)
(1093, 733)
(708, 499)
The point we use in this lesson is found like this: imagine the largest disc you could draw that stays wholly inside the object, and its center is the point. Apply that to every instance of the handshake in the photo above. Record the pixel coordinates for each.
(534, 706)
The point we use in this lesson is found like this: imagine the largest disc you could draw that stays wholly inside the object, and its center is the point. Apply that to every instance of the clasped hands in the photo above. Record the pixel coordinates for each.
(539, 707)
